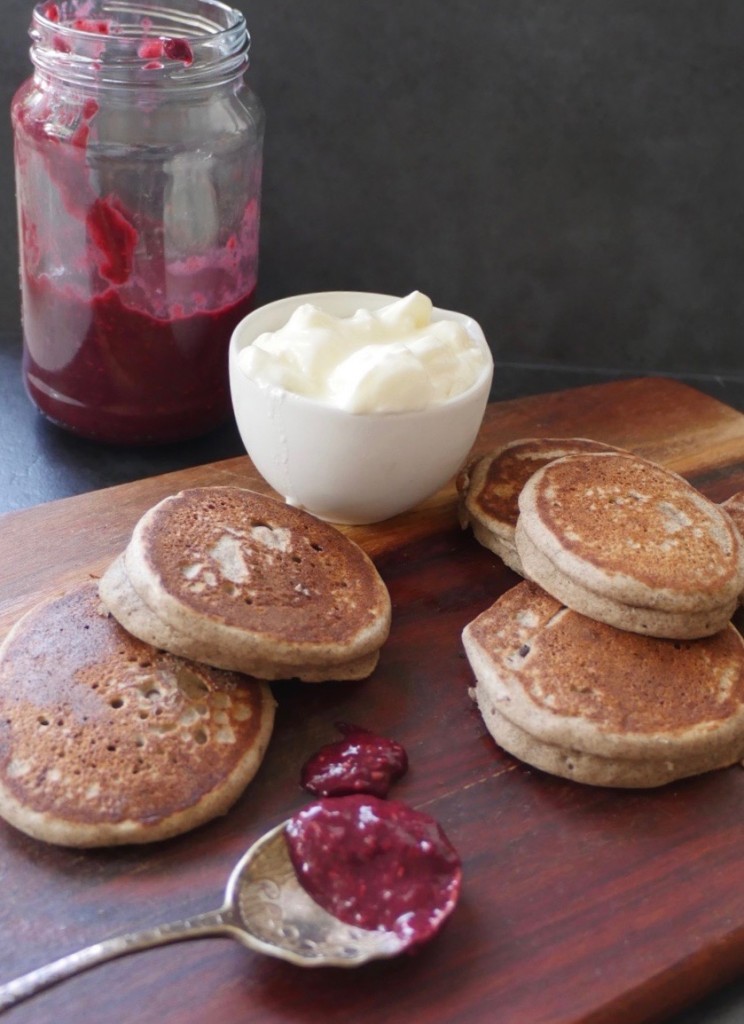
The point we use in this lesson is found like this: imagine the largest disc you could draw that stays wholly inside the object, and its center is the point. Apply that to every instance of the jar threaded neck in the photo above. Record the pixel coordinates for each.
(143, 44)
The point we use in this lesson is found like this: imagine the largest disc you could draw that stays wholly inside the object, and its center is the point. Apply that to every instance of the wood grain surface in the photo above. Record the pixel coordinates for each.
(579, 904)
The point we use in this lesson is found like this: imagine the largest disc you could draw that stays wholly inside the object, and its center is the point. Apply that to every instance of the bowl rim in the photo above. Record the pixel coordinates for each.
(483, 380)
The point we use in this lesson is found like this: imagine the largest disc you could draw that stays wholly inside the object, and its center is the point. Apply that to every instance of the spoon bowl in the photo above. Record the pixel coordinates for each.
(277, 916)
(265, 908)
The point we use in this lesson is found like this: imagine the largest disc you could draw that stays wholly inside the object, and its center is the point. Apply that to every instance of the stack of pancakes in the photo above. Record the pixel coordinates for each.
(137, 709)
(489, 488)
(243, 582)
(616, 664)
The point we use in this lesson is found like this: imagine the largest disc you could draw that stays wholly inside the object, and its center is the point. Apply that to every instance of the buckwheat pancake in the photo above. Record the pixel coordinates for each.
(632, 544)
(105, 740)
(489, 486)
(585, 701)
(244, 582)
(117, 591)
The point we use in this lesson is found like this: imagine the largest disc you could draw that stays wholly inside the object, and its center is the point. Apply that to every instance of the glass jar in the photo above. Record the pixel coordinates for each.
(138, 153)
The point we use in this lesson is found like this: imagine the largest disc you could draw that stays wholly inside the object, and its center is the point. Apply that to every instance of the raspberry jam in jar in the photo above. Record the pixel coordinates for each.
(138, 151)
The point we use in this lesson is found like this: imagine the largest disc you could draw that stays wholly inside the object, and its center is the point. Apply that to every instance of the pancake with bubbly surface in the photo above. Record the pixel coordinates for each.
(105, 740)
(489, 487)
(634, 545)
(582, 700)
(245, 582)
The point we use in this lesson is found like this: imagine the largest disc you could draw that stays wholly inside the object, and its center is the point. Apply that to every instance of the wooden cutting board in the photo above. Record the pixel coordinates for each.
(579, 904)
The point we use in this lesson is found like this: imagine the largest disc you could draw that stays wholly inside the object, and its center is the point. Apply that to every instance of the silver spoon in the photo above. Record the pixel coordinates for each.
(265, 908)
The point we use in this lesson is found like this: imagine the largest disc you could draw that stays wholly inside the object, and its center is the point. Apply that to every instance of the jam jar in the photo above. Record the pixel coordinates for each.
(138, 150)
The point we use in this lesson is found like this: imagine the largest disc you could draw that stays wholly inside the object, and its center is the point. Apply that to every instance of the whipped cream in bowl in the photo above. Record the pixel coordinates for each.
(355, 405)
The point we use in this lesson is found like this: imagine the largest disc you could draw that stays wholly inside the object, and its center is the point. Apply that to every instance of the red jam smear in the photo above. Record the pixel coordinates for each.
(113, 237)
(173, 49)
(178, 49)
(377, 864)
(361, 762)
(96, 26)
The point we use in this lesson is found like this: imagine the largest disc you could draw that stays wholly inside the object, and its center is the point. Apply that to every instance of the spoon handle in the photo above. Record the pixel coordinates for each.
(213, 923)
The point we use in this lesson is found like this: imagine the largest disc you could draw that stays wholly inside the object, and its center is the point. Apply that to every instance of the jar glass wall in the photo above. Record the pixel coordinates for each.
(138, 171)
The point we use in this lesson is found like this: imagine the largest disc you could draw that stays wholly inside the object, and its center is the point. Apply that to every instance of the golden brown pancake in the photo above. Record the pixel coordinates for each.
(248, 583)
(631, 544)
(117, 592)
(489, 486)
(585, 701)
(105, 740)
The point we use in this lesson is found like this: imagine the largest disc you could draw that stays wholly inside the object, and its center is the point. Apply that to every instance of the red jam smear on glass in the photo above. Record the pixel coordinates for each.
(105, 367)
(377, 864)
(361, 762)
(173, 49)
(103, 28)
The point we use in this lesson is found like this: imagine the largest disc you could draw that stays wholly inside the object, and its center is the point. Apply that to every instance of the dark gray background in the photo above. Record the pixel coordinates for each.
(569, 172)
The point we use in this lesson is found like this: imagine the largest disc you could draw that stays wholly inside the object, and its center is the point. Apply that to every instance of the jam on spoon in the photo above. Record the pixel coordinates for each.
(393, 878)
(361, 762)
(377, 864)
(265, 908)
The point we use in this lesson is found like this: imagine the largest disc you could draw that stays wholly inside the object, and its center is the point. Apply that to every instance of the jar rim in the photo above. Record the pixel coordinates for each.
(139, 42)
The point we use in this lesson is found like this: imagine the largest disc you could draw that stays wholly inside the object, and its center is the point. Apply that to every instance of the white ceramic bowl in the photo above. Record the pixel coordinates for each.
(351, 467)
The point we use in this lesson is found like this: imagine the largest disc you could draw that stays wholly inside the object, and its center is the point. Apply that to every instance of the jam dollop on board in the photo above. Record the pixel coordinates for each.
(377, 864)
(361, 762)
